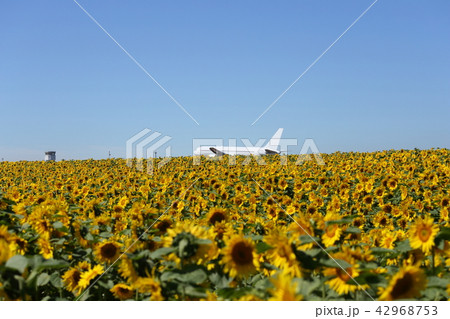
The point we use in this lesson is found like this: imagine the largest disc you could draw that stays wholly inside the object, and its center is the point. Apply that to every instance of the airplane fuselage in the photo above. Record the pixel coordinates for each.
(270, 148)
(222, 150)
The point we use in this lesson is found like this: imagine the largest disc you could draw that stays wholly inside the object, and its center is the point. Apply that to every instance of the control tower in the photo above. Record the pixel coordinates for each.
(50, 156)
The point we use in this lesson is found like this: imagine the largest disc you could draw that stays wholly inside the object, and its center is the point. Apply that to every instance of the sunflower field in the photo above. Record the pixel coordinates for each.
(363, 226)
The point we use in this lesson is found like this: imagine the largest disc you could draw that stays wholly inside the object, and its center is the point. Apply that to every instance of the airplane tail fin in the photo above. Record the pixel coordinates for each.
(274, 141)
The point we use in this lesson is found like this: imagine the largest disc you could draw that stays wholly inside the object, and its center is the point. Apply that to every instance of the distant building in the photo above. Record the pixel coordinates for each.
(50, 156)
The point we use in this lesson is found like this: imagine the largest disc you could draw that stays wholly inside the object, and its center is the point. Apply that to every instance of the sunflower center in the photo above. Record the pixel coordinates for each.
(44, 226)
(331, 230)
(151, 245)
(344, 275)
(162, 226)
(76, 277)
(217, 217)
(108, 250)
(123, 291)
(242, 254)
(387, 209)
(424, 234)
(402, 286)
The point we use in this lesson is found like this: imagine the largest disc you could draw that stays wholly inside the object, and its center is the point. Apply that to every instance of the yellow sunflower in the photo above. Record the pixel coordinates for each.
(221, 230)
(300, 227)
(122, 291)
(210, 296)
(149, 285)
(4, 233)
(422, 234)
(107, 252)
(123, 202)
(239, 256)
(43, 227)
(406, 284)
(217, 215)
(332, 232)
(445, 202)
(392, 184)
(45, 248)
(368, 200)
(89, 275)
(178, 205)
(343, 282)
(71, 278)
(388, 238)
(379, 192)
(163, 225)
(381, 220)
(127, 271)
(20, 245)
(282, 255)
(194, 253)
(285, 289)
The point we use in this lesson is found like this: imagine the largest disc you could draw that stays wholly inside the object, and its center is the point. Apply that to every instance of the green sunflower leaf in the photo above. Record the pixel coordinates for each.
(17, 262)
(345, 220)
(336, 263)
(55, 280)
(192, 291)
(436, 282)
(196, 277)
(444, 234)
(352, 230)
(52, 264)
(381, 251)
(262, 247)
(42, 279)
(162, 251)
(403, 246)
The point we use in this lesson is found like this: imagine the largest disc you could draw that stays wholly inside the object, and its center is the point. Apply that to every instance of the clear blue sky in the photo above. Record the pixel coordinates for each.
(66, 86)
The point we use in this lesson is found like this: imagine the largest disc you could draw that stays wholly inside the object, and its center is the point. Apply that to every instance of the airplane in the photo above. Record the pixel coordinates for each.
(269, 149)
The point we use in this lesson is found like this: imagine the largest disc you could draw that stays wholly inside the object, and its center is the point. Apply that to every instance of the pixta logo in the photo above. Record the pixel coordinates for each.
(142, 147)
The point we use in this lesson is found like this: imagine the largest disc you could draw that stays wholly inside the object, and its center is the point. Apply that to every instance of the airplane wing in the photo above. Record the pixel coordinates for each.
(216, 151)
(271, 152)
